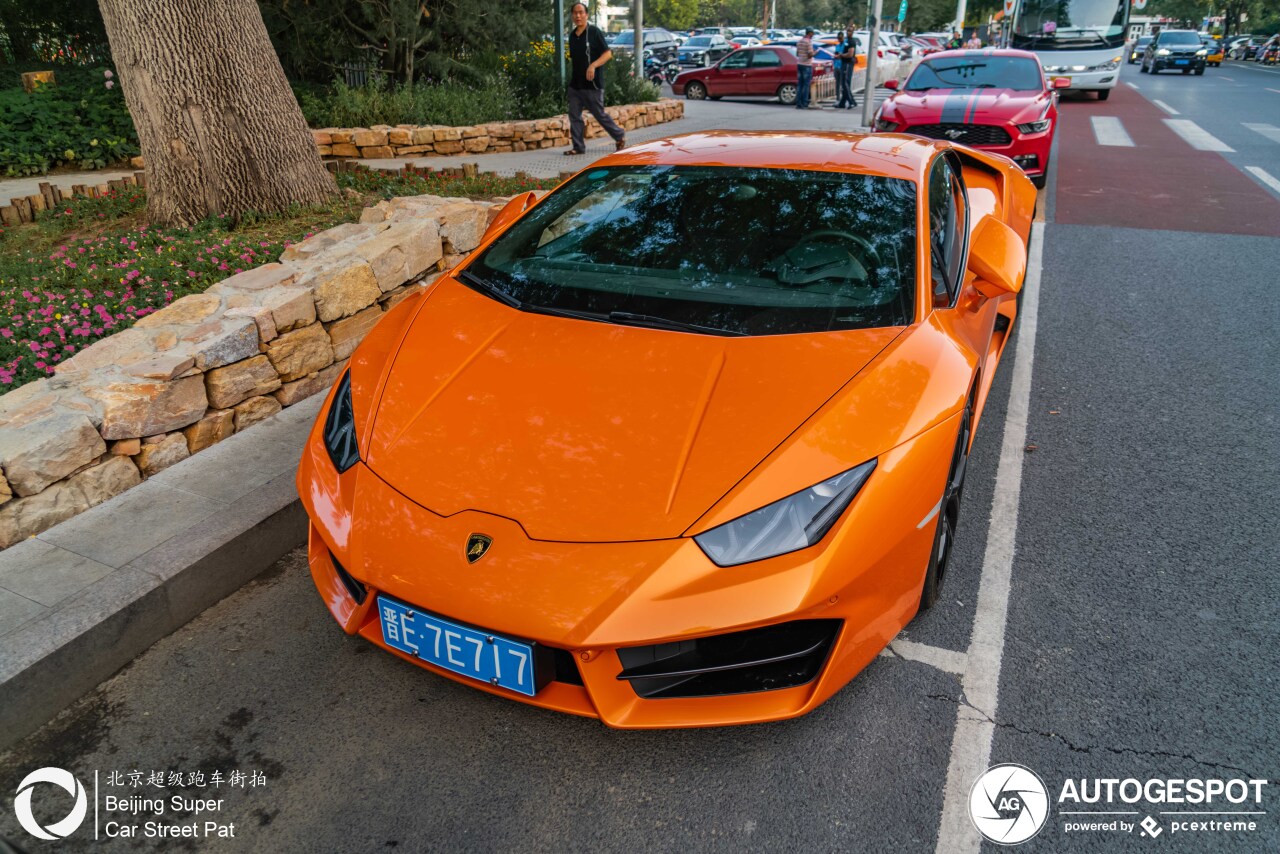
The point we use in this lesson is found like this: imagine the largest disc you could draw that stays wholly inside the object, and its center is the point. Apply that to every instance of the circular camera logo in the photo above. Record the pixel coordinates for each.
(1009, 804)
(62, 779)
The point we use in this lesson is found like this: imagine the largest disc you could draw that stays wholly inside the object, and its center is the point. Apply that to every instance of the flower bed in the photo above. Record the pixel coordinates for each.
(86, 279)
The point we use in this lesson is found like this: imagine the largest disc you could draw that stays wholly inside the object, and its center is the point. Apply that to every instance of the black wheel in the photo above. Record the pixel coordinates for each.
(695, 91)
(787, 93)
(1038, 181)
(948, 515)
(1199, 72)
(1104, 94)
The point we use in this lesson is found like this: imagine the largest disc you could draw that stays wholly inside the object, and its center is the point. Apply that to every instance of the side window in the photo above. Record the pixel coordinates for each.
(948, 231)
(735, 60)
(765, 59)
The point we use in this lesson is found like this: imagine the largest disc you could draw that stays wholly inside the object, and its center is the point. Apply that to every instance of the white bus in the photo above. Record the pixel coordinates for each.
(1082, 40)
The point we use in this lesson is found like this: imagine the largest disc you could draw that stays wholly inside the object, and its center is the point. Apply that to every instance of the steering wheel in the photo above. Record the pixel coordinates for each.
(871, 253)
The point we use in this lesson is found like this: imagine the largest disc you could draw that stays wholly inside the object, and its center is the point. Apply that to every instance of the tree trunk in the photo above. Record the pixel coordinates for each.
(218, 124)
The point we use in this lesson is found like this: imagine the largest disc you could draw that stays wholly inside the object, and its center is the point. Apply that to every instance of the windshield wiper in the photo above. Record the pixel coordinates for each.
(648, 320)
(488, 289)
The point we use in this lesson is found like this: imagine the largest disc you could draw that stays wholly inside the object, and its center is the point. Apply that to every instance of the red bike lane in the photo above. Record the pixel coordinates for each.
(1159, 183)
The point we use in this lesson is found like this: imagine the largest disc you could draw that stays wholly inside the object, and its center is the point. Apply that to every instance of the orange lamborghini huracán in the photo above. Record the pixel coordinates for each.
(683, 442)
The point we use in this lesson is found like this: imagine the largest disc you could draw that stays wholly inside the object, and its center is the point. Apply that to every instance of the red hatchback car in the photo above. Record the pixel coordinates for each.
(996, 100)
(760, 71)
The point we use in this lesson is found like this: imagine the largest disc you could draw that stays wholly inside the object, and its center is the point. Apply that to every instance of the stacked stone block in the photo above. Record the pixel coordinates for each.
(213, 364)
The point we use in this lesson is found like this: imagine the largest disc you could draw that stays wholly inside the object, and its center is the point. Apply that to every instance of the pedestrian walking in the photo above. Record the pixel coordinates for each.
(804, 69)
(588, 52)
(846, 59)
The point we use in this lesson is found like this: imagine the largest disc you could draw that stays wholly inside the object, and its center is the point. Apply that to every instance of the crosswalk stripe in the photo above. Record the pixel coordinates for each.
(1109, 130)
(1265, 177)
(1271, 132)
(1196, 136)
(1170, 110)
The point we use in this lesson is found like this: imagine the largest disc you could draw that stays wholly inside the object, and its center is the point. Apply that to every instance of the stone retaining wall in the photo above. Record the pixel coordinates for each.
(384, 141)
(213, 364)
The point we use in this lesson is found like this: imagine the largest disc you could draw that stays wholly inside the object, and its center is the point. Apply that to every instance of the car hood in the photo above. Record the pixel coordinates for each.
(591, 432)
(968, 106)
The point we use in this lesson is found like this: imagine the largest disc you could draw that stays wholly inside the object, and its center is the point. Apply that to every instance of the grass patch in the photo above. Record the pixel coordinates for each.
(94, 267)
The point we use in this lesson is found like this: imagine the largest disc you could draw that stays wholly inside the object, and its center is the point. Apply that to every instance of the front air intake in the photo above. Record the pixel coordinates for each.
(766, 659)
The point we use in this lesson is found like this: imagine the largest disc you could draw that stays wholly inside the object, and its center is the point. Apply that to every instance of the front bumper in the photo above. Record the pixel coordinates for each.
(1029, 150)
(1085, 81)
(594, 601)
(1171, 63)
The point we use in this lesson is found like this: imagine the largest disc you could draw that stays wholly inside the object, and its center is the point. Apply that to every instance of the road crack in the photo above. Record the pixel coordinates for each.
(1090, 750)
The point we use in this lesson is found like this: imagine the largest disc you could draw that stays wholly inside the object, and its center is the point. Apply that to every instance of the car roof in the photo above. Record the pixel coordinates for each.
(986, 51)
(887, 155)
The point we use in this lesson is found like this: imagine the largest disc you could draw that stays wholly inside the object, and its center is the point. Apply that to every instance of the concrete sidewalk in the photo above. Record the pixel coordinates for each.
(81, 600)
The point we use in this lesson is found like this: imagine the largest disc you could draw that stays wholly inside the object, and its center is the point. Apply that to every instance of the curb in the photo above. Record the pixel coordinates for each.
(83, 599)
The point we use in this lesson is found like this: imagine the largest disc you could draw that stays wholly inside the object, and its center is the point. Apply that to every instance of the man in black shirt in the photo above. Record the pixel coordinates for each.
(588, 52)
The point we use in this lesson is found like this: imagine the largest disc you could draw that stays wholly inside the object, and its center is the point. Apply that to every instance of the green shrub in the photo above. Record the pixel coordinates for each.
(424, 103)
(78, 121)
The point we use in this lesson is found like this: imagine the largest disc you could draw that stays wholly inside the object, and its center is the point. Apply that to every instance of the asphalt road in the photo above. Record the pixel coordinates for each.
(1141, 638)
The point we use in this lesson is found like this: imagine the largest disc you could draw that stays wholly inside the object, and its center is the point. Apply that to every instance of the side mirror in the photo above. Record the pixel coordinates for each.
(1061, 82)
(891, 84)
(510, 212)
(998, 257)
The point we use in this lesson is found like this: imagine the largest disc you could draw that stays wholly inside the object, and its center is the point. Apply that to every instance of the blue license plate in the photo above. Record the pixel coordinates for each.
(1182, 62)
(509, 664)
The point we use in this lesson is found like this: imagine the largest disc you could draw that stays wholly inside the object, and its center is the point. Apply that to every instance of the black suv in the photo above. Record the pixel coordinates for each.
(1180, 50)
(657, 42)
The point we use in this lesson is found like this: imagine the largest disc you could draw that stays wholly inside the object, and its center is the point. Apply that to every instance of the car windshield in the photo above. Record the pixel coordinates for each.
(740, 251)
(1144, 41)
(1179, 39)
(980, 72)
(698, 41)
(1069, 24)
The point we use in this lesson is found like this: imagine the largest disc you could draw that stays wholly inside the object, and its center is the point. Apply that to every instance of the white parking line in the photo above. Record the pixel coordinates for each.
(1196, 136)
(1134, 85)
(1271, 132)
(946, 660)
(980, 683)
(1162, 105)
(1265, 177)
(1108, 130)
(1228, 79)
(1277, 91)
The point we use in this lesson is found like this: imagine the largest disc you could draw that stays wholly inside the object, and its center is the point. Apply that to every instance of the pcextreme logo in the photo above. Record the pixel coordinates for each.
(62, 779)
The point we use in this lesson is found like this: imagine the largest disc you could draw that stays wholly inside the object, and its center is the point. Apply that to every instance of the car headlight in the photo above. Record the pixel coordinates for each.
(1036, 127)
(1109, 65)
(1202, 53)
(1164, 51)
(796, 522)
(340, 428)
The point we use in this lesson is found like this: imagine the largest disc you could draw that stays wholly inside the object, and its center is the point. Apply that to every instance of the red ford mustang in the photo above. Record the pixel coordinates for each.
(991, 99)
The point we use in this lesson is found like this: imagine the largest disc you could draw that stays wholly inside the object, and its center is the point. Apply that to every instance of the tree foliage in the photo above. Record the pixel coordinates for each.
(672, 14)
(406, 39)
(66, 31)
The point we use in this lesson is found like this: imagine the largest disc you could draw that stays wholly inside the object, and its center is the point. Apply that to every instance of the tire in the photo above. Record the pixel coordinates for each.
(787, 94)
(948, 514)
(1199, 72)
(1104, 94)
(1038, 181)
(695, 90)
